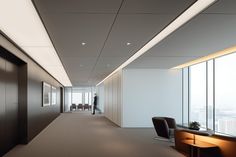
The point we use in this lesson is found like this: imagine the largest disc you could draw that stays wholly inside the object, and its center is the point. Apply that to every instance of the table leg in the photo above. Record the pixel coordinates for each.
(198, 152)
(191, 151)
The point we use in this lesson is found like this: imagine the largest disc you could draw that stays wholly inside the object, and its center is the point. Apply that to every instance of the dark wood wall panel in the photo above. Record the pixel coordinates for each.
(22, 100)
(9, 105)
(38, 116)
(2, 104)
(11, 117)
(62, 97)
(33, 118)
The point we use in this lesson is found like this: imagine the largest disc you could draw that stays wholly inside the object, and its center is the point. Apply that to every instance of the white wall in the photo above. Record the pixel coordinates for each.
(100, 97)
(112, 98)
(151, 92)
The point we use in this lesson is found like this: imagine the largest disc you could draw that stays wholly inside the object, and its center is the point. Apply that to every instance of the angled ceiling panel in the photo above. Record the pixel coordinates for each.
(158, 62)
(109, 62)
(69, 31)
(209, 32)
(78, 6)
(155, 6)
(79, 63)
(71, 22)
(137, 29)
(222, 7)
(206, 34)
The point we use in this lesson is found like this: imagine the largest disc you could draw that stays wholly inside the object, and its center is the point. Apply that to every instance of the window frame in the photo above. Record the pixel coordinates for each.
(207, 89)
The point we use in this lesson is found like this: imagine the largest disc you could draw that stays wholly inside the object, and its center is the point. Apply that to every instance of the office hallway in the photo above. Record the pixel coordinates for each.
(83, 135)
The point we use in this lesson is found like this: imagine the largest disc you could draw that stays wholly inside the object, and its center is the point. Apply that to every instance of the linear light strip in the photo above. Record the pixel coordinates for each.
(208, 57)
(22, 24)
(192, 11)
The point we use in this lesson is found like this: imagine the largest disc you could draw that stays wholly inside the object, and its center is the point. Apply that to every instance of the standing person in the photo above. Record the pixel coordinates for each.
(94, 103)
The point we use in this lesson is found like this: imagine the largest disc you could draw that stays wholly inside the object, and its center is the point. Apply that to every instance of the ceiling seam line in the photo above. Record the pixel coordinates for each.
(137, 13)
(109, 32)
(161, 30)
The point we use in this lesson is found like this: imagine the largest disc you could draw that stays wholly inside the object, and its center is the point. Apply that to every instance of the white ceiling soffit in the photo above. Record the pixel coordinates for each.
(187, 15)
(106, 26)
(21, 23)
(211, 31)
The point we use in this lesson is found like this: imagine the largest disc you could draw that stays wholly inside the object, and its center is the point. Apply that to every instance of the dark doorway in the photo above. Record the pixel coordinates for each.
(8, 105)
(62, 107)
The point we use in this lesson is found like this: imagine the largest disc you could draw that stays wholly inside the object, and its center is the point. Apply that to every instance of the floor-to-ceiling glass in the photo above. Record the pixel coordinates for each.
(197, 93)
(210, 94)
(225, 94)
(77, 98)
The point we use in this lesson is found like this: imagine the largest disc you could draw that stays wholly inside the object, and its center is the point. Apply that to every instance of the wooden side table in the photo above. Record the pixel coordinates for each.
(198, 145)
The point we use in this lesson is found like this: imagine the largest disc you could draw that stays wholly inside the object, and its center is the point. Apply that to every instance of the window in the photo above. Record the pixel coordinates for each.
(197, 93)
(211, 98)
(225, 95)
(185, 97)
(210, 94)
(90, 98)
(77, 98)
(86, 96)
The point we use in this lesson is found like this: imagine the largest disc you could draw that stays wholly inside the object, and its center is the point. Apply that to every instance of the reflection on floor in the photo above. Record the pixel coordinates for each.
(82, 134)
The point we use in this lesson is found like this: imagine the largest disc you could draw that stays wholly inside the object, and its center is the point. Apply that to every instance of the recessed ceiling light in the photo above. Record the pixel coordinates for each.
(83, 43)
(128, 44)
(187, 15)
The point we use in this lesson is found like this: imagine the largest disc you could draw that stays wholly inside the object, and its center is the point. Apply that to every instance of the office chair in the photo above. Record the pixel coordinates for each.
(86, 106)
(72, 107)
(80, 106)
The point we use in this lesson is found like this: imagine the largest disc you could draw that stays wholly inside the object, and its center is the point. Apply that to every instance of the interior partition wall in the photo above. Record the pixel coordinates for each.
(100, 97)
(209, 94)
(133, 96)
(113, 98)
(151, 93)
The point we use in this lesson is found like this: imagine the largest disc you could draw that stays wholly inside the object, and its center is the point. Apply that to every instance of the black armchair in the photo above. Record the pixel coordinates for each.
(164, 126)
(86, 106)
(80, 106)
(72, 107)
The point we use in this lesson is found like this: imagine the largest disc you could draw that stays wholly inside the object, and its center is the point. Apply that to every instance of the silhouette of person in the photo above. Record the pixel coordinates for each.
(94, 103)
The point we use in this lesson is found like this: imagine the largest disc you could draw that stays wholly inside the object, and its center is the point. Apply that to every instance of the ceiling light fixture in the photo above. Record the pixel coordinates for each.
(83, 44)
(192, 11)
(22, 24)
(208, 57)
(128, 44)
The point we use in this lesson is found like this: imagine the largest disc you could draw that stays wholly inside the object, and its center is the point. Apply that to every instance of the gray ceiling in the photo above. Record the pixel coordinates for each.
(209, 32)
(105, 26)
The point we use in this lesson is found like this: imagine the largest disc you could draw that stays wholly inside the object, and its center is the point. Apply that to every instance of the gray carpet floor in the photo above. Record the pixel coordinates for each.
(81, 134)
